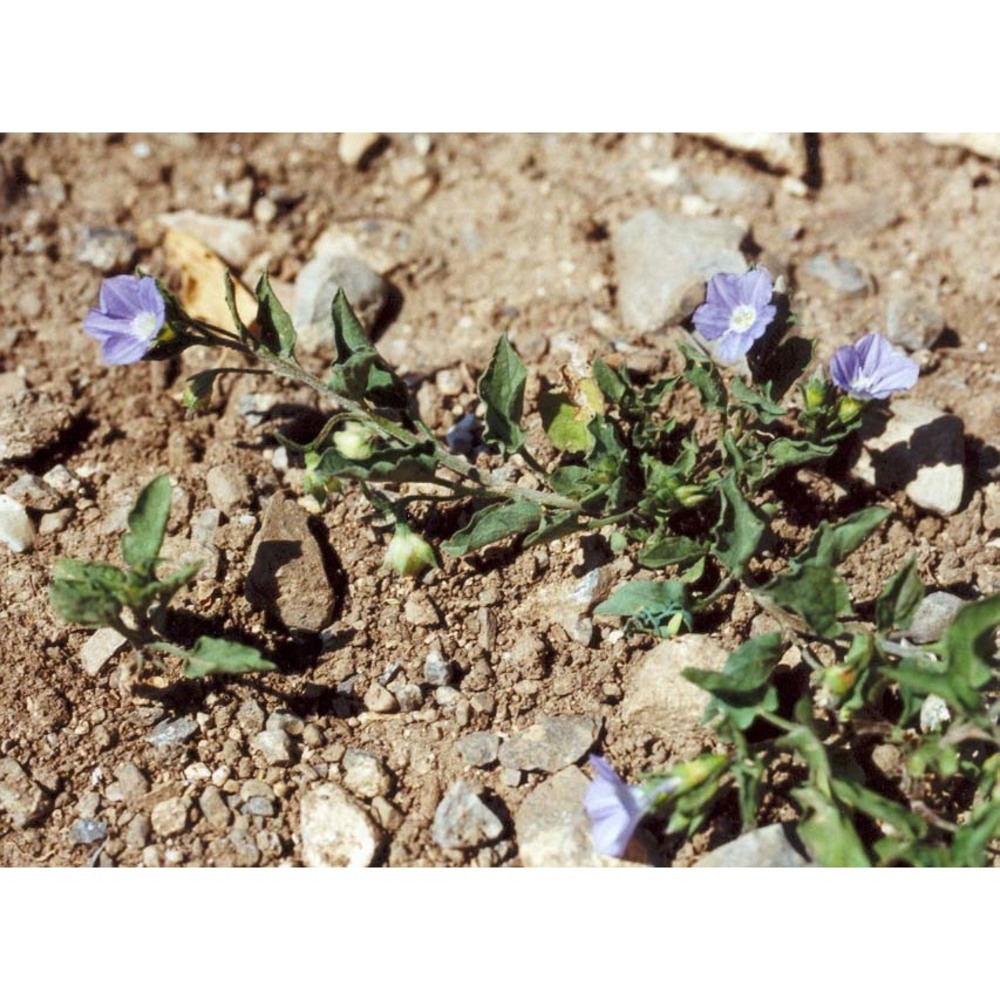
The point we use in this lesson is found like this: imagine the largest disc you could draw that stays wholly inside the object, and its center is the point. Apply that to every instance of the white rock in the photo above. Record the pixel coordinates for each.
(782, 150)
(365, 775)
(276, 746)
(353, 147)
(99, 648)
(462, 820)
(170, 817)
(981, 143)
(336, 831)
(16, 530)
(657, 698)
(919, 448)
(768, 847)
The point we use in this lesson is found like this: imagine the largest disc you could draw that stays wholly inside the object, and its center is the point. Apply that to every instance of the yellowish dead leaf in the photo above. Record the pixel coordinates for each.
(202, 291)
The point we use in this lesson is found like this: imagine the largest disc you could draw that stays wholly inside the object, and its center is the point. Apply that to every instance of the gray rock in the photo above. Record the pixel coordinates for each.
(479, 749)
(550, 744)
(132, 783)
(657, 698)
(170, 732)
(315, 288)
(419, 609)
(662, 262)
(287, 572)
(30, 422)
(843, 276)
(933, 616)
(105, 248)
(768, 847)
(437, 670)
(259, 806)
(917, 447)
(34, 493)
(913, 323)
(99, 648)
(16, 530)
(732, 189)
(408, 696)
(568, 603)
(236, 850)
(552, 828)
(213, 807)
(276, 746)
(54, 522)
(462, 820)
(336, 831)
(229, 488)
(365, 774)
(250, 717)
(24, 801)
(87, 831)
(781, 150)
(285, 722)
(137, 832)
(254, 788)
(170, 817)
(234, 240)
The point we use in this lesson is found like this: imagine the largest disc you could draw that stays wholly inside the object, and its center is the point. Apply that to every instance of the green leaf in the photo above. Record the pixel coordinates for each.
(614, 385)
(968, 645)
(817, 594)
(563, 424)
(831, 544)
(668, 551)
(739, 529)
(764, 409)
(666, 596)
(501, 388)
(391, 464)
(968, 848)
(858, 797)
(700, 372)
(221, 656)
(564, 523)
(784, 452)
(493, 523)
(742, 689)
(359, 371)
(238, 325)
(277, 333)
(147, 523)
(900, 596)
(87, 593)
(828, 834)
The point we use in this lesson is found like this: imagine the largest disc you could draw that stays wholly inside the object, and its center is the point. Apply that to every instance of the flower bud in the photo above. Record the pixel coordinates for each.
(354, 441)
(690, 495)
(814, 392)
(408, 554)
(848, 408)
(696, 772)
(839, 680)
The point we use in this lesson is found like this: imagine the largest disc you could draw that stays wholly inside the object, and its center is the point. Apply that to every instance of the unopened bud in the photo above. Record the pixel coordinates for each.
(353, 441)
(408, 554)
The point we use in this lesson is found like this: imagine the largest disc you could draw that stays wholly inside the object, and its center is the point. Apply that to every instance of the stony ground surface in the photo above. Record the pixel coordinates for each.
(444, 722)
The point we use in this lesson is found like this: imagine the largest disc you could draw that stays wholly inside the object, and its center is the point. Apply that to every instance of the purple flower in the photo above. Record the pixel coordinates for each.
(872, 368)
(736, 312)
(615, 808)
(131, 314)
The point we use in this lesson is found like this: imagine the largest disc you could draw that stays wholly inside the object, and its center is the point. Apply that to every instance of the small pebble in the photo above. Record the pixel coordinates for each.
(16, 530)
(365, 775)
(172, 731)
(354, 147)
(378, 699)
(276, 746)
(437, 670)
(479, 749)
(88, 831)
(170, 817)
(462, 820)
(409, 697)
(137, 832)
(99, 648)
(213, 807)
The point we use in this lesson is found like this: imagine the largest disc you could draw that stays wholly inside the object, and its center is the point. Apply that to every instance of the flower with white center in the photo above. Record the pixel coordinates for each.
(131, 314)
(736, 312)
(872, 368)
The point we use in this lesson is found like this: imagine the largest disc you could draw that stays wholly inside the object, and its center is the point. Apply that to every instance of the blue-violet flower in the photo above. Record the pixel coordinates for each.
(616, 808)
(736, 312)
(131, 314)
(872, 368)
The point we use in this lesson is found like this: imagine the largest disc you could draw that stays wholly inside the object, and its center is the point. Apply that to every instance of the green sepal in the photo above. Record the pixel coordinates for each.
(277, 333)
(238, 325)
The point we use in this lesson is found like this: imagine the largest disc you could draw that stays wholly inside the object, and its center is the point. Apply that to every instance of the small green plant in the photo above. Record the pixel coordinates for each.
(687, 489)
(134, 601)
